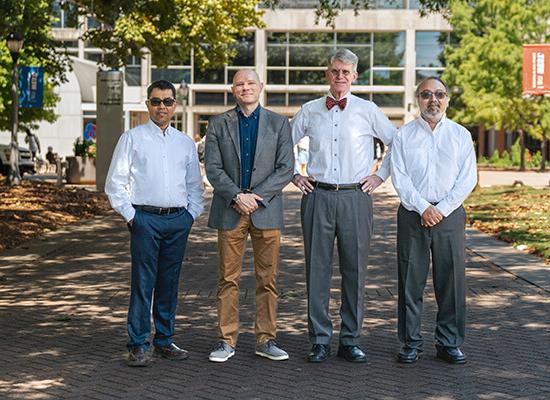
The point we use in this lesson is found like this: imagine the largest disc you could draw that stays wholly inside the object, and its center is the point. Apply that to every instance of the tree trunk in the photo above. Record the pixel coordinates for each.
(522, 150)
(543, 151)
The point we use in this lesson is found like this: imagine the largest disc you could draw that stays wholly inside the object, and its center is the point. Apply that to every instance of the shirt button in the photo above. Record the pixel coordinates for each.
(335, 154)
(335, 140)
(335, 124)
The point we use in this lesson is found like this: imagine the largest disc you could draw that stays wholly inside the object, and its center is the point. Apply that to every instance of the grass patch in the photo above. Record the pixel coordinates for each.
(519, 215)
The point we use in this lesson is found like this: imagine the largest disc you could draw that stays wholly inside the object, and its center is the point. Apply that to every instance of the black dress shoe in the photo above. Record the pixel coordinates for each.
(408, 355)
(139, 357)
(352, 354)
(171, 352)
(318, 353)
(452, 355)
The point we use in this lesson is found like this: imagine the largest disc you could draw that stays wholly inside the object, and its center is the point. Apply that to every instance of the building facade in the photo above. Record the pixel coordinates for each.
(395, 45)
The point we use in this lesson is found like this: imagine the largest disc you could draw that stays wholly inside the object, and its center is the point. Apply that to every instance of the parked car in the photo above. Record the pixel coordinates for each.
(25, 162)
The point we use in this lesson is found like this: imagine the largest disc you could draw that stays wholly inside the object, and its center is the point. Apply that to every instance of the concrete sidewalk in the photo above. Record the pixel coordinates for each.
(63, 301)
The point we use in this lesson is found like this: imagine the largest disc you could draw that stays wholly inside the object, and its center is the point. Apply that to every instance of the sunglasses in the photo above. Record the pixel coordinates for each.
(168, 102)
(427, 94)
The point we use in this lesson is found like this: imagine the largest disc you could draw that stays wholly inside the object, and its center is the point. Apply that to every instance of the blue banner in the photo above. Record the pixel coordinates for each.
(31, 87)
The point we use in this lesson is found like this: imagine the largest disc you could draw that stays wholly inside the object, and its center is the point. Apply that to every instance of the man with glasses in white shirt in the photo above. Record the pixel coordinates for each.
(155, 184)
(434, 171)
(337, 203)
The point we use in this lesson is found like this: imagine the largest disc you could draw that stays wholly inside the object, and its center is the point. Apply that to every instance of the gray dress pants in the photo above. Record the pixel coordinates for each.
(446, 244)
(345, 215)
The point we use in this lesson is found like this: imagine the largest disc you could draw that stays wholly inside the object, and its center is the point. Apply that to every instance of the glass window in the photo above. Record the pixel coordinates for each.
(360, 38)
(297, 99)
(209, 98)
(366, 96)
(429, 46)
(93, 23)
(424, 73)
(209, 76)
(388, 99)
(311, 37)
(311, 56)
(276, 99)
(301, 77)
(389, 49)
(387, 77)
(363, 68)
(388, 4)
(276, 77)
(245, 50)
(66, 14)
(97, 57)
(276, 37)
(276, 56)
(174, 75)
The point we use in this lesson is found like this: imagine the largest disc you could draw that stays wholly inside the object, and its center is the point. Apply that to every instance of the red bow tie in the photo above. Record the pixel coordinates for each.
(330, 102)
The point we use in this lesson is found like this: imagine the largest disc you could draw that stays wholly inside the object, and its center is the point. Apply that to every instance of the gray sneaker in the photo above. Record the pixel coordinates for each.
(221, 352)
(271, 350)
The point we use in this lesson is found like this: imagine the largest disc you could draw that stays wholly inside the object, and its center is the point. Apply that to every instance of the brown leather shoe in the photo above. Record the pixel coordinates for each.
(171, 352)
(139, 357)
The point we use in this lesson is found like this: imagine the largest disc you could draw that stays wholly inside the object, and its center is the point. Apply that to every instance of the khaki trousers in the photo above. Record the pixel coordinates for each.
(231, 247)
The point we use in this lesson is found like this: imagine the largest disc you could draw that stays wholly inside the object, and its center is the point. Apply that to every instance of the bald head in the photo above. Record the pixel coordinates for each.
(246, 89)
(246, 74)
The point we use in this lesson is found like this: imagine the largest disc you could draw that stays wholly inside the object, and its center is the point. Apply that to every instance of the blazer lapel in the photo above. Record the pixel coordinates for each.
(262, 132)
(232, 121)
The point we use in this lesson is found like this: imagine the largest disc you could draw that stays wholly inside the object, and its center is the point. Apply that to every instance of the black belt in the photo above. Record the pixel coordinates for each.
(336, 187)
(159, 210)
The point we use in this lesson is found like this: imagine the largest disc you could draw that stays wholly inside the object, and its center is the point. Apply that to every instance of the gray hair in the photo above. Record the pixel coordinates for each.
(430, 78)
(346, 56)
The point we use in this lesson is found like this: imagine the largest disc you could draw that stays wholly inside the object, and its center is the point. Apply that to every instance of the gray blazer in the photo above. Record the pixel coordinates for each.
(272, 170)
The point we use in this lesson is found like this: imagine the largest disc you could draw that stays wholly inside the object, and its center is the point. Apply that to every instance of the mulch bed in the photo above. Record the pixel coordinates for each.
(33, 208)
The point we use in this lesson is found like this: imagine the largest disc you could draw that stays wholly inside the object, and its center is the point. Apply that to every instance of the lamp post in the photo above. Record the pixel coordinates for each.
(183, 92)
(15, 42)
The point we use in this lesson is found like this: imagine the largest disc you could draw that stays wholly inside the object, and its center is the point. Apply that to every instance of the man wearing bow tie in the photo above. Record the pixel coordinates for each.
(337, 203)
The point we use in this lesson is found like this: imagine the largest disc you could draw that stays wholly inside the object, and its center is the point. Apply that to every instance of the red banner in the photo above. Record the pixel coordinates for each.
(536, 69)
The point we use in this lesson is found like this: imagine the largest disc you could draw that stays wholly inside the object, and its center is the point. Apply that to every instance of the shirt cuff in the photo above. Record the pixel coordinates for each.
(445, 208)
(422, 206)
(383, 174)
(128, 213)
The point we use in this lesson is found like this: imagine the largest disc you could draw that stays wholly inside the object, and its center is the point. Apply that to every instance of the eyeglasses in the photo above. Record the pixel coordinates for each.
(168, 102)
(336, 72)
(427, 94)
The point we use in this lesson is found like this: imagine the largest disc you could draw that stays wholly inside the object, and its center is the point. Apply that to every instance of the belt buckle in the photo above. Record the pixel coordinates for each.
(337, 187)
(163, 211)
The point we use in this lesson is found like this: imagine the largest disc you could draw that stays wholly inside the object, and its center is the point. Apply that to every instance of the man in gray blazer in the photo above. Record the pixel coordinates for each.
(249, 160)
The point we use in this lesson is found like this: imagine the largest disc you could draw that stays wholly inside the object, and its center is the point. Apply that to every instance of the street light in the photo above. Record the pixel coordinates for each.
(183, 92)
(15, 42)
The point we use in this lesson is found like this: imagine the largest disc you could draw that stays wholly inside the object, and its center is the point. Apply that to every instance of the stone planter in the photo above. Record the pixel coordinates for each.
(81, 170)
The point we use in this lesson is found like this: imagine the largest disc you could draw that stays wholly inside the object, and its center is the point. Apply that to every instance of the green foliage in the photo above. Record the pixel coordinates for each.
(512, 159)
(328, 10)
(32, 20)
(485, 68)
(84, 148)
(169, 29)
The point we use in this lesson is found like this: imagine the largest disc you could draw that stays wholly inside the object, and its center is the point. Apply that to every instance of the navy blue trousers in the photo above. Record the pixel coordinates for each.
(157, 247)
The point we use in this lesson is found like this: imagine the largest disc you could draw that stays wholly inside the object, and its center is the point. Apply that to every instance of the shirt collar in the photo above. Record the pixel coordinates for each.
(254, 114)
(155, 128)
(423, 123)
(348, 95)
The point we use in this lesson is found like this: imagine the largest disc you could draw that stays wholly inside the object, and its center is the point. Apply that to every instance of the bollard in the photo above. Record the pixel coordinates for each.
(59, 173)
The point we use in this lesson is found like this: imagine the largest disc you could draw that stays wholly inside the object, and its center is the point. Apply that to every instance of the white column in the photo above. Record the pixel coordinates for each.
(410, 74)
(261, 58)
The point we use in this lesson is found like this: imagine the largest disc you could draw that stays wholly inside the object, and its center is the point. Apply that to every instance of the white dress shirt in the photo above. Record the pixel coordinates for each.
(153, 168)
(341, 144)
(436, 166)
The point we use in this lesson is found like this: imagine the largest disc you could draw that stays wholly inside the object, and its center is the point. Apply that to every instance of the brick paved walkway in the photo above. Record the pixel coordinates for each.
(63, 302)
